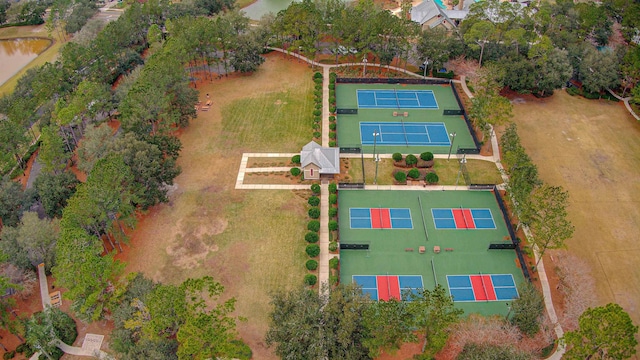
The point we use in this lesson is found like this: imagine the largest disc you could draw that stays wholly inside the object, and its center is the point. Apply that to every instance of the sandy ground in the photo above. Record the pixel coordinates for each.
(591, 147)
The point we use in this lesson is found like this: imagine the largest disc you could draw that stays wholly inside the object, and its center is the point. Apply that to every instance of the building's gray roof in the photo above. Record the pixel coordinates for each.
(327, 159)
(456, 14)
(426, 11)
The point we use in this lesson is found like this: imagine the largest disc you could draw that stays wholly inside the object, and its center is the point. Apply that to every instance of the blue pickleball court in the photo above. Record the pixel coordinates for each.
(404, 133)
(396, 99)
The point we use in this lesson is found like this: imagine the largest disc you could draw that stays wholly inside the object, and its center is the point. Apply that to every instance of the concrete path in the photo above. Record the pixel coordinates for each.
(626, 103)
(323, 268)
(46, 303)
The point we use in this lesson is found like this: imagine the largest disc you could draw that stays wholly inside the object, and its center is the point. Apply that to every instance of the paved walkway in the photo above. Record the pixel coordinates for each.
(46, 303)
(323, 269)
(626, 103)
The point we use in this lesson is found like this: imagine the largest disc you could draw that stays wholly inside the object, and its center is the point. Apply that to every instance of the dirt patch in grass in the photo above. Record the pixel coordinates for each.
(252, 241)
(590, 148)
(269, 162)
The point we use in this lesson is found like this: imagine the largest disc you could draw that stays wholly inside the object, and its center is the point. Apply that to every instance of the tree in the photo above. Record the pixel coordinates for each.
(9, 246)
(13, 201)
(598, 70)
(479, 35)
(342, 323)
(604, 332)
(95, 145)
(487, 106)
(44, 328)
(388, 326)
(37, 238)
(433, 314)
(246, 57)
(549, 224)
(434, 47)
(527, 309)
(53, 191)
(52, 155)
(7, 303)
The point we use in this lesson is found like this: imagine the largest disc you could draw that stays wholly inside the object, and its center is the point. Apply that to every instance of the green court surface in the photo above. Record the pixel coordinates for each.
(389, 249)
(348, 125)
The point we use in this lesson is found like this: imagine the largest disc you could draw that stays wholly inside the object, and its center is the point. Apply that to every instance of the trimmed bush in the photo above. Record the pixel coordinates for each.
(313, 225)
(401, 177)
(333, 246)
(333, 188)
(396, 157)
(332, 100)
(312, 237)
(432, 178)
(333, 225)
(332, 143)
(333, 212)
(426, 156)
(333, 77)
(314, 201)
(318, 106)
(332, 135)
(317, 75)
(332, 126)
(333, 199)
(334, 262)
(295, 159)
(311, 264)
(310, 279)
(333, 279)
(9, 355)
(240, 350)
(414, 173)
(332, 118)
(332, 109)
(317, 112)
(411, 160)
(315, 189)
(317, 119)
(314, 213)
(313, 250)
(316, 126)
(332, 86)
(295, 171)
(316, 134)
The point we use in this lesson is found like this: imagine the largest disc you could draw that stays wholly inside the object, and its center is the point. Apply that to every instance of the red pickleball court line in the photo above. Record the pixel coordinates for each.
(466, 213)
(388, 287)
(380, 218)
(483, 287)
(458, 217)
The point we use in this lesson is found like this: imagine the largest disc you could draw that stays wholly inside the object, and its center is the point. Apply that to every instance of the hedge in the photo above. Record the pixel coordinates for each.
(314, 201)
(317, 75)
(432, 178)
(315, 189)
(313, 225)
(313, 250)
(333, 188)
(295, 171)
(334, 262)
(311, 264)
(314, 213)
(333, 246)
(310, 279)
(332, 135)
(401, 176)
(333, 199)
(295, 159)
(311, 237)
(396, 157)
(426, 156)
(333, 212)
(333, 225)
(332, 126)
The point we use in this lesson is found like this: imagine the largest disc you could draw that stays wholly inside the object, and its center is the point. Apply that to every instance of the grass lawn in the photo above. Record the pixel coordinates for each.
(252, 241)
(480, 172)
(591, 147)
(48, 55)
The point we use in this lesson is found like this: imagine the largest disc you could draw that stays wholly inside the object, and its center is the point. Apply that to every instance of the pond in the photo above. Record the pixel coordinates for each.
(262, 7)
(16, 53)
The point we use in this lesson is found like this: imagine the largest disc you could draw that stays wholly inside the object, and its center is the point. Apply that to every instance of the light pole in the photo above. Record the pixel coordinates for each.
(364, 68)
(508, 313)
(425, 64)
(453, 137)
(375, 158)
(462, 162)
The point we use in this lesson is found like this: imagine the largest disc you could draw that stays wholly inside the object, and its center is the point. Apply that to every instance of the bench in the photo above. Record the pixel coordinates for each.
(436, 249)
(408, 249)
(422, 249)
(395, 113)
(448, 249)
(56, 300)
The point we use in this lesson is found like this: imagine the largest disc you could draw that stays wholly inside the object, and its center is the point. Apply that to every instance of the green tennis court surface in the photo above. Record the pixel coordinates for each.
(463, 253)
(389, 103)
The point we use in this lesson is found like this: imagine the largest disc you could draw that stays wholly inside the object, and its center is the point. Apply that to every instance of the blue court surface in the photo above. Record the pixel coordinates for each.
(494, 287)
(385, 287)
(380, 218)
(463, 218)
(396, 99)
(404, 133)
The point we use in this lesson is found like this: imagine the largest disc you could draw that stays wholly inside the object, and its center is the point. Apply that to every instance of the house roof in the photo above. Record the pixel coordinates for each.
(456, 14)
(327, 159)
(427, 10)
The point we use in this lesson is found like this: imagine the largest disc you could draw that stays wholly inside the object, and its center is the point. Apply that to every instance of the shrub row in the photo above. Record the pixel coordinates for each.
(414, 174)
(411, 160)
(317, 112)
(312, 237)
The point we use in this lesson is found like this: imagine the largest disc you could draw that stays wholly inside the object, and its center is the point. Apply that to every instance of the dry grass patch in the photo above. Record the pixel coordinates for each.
(591, 147)
(254, 162)
(252, 241)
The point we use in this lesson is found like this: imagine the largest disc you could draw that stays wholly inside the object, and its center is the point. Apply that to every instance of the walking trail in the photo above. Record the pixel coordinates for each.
(323, 277)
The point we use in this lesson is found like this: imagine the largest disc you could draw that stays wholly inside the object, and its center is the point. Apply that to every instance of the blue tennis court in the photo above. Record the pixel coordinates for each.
(494, 287)
(404, 133)
(396, 99)
(463, 218)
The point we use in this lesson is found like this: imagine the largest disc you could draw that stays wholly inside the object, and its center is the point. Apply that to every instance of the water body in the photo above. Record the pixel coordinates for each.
(16, 53)
(262, 7)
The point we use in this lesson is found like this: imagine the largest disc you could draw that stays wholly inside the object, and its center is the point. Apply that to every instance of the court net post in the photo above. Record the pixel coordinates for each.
(433, 267)
(424, 224)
